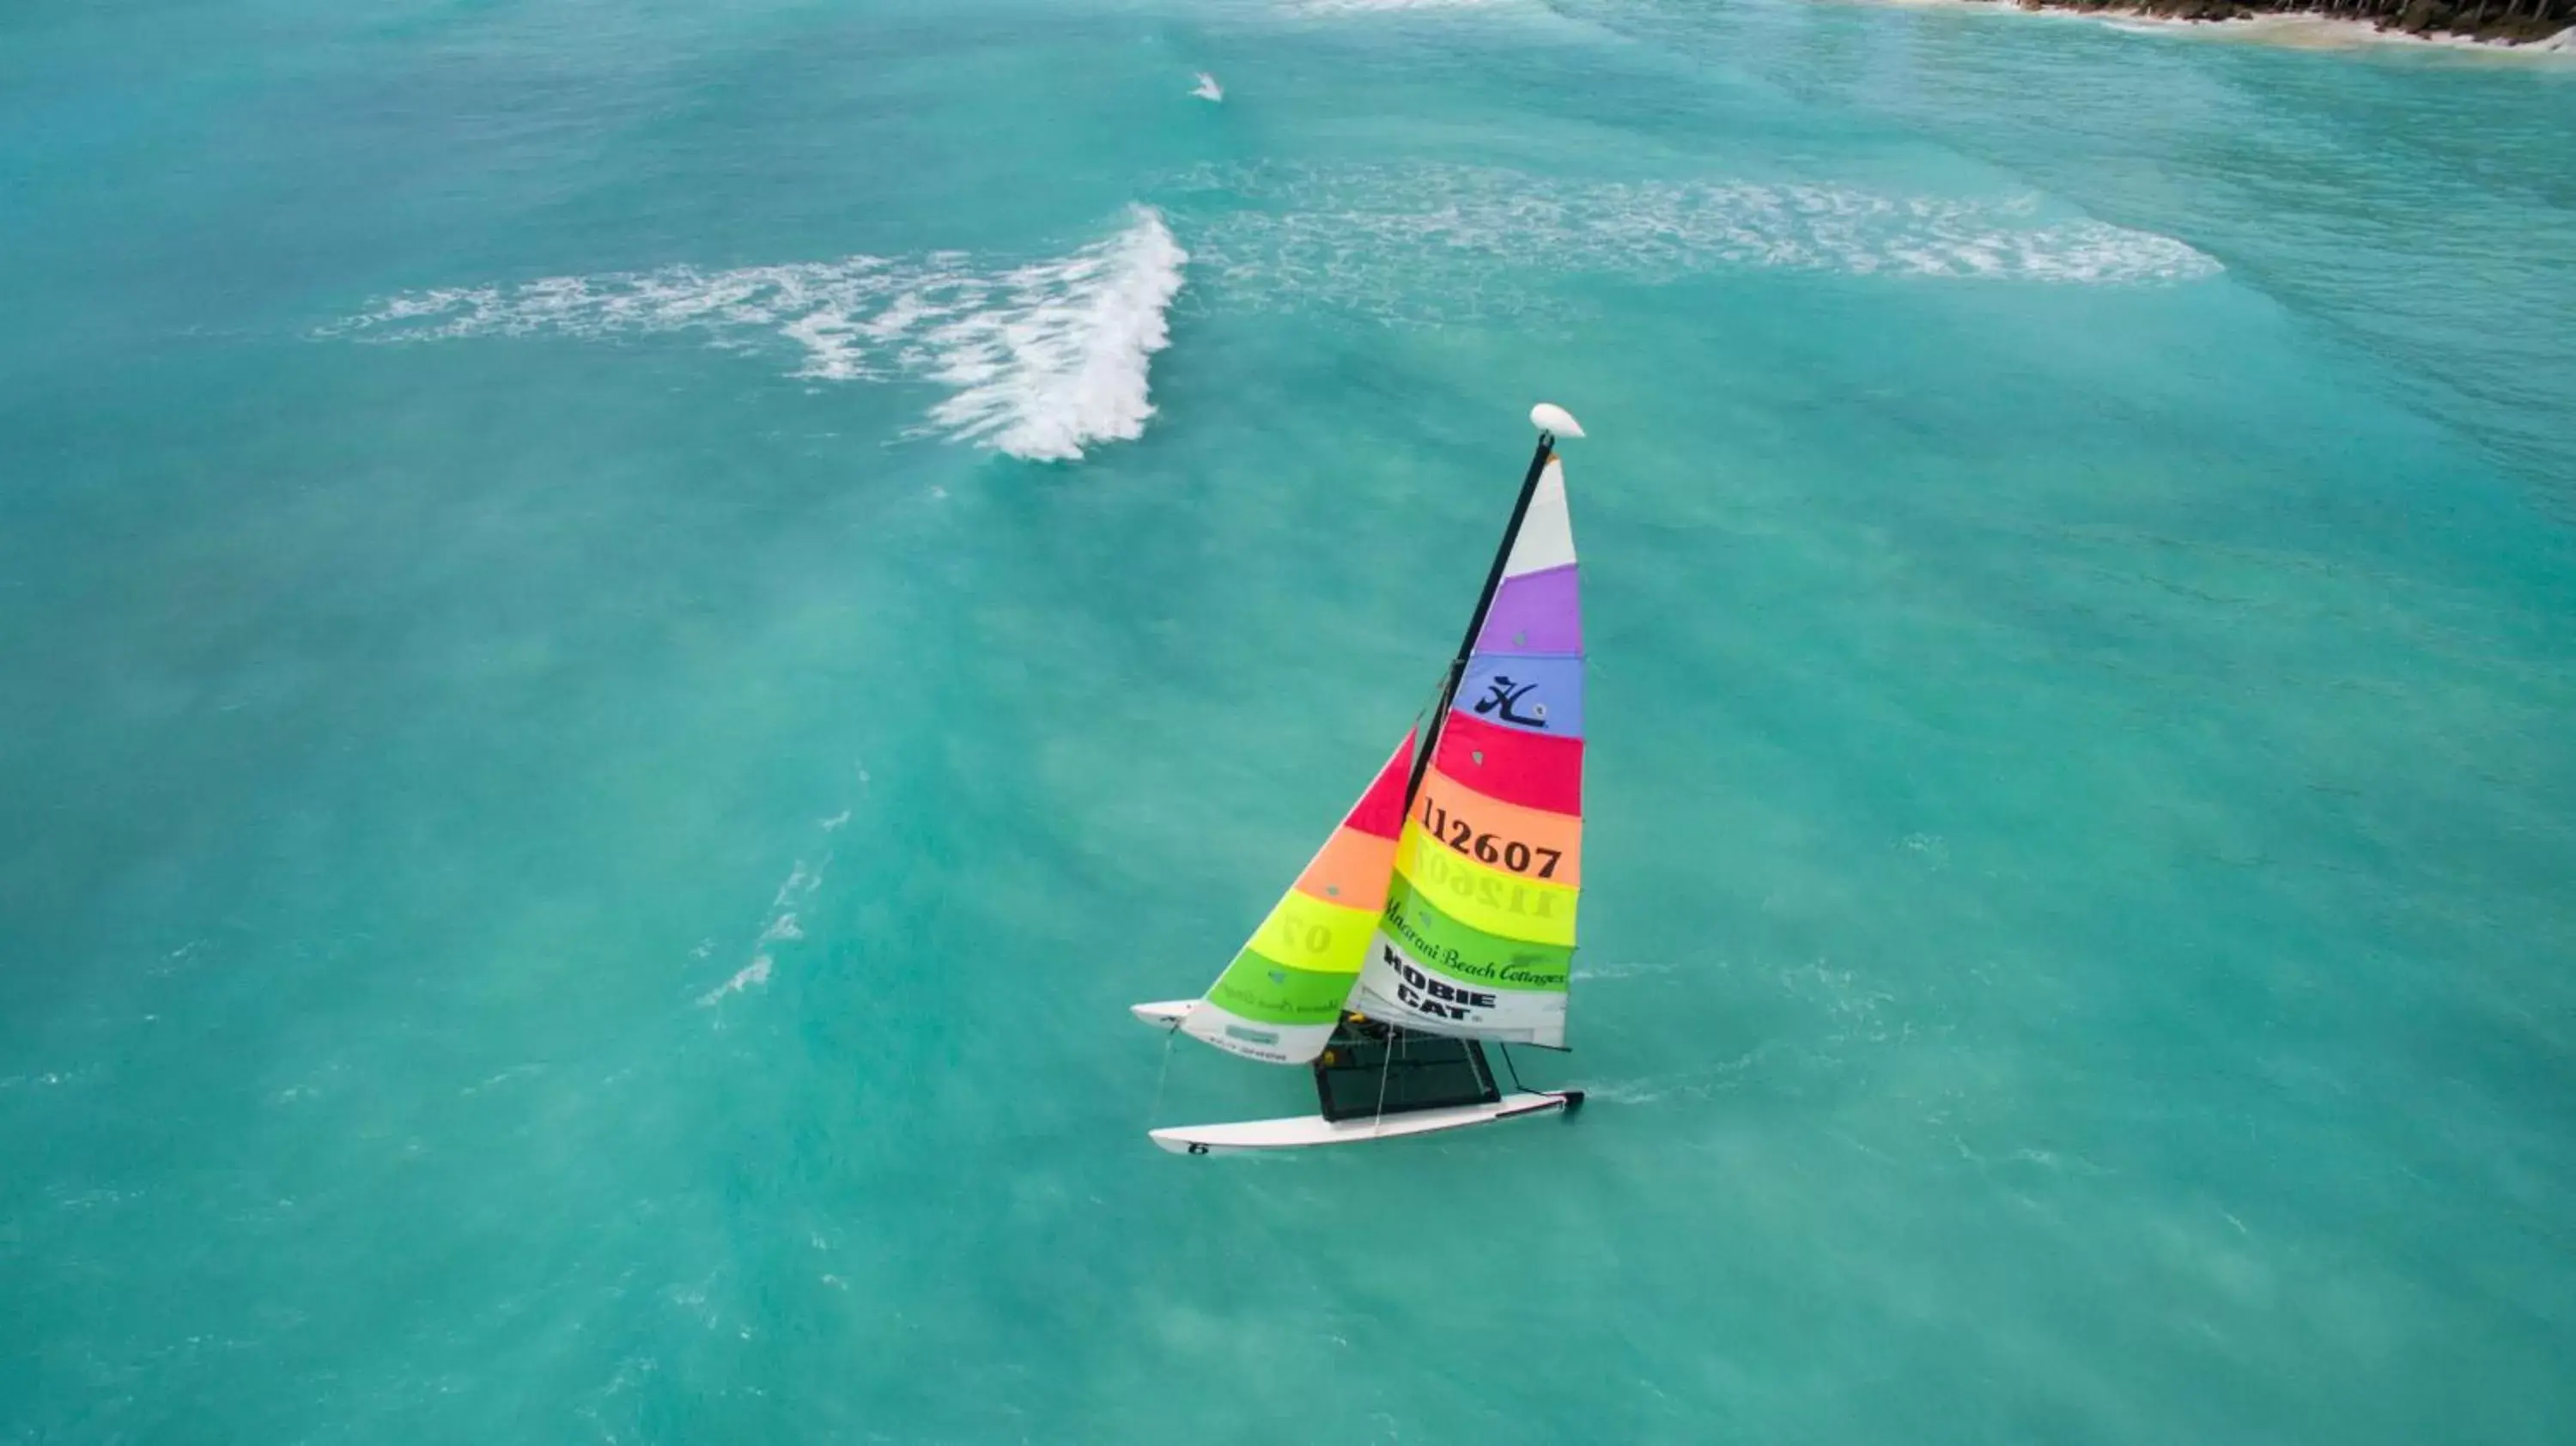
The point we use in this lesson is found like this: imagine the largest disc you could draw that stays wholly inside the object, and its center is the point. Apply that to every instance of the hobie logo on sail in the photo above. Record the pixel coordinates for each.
(1505, 699)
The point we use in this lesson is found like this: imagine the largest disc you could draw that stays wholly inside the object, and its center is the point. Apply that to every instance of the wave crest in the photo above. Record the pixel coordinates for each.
(1043, 360)
(1062, 361)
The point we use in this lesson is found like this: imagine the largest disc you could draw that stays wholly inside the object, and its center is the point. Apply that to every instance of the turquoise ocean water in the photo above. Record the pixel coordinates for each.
(629, 628)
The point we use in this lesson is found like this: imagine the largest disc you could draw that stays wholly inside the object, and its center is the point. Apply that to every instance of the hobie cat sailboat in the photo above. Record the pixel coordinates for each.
(1440, 915)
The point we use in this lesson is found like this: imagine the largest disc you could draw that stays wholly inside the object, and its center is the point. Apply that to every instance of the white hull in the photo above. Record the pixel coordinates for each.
(1301, 1131)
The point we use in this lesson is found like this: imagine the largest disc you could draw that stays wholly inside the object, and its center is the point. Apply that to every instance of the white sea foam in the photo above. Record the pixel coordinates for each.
(1617, 971)
(1443, 241)
(1621, 1092)
(779, 928)
(1207, 88)
(1042, 360)
(1060, 359)
(800, 882)
(749, 976)
(1387, 7)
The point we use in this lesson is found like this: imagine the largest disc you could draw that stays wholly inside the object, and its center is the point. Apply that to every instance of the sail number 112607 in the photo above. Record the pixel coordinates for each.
(1535, 861)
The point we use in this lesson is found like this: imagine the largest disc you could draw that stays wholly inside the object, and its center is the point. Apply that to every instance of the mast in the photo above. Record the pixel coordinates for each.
(1477, 942)
(1455, 1068)
(1484, 604)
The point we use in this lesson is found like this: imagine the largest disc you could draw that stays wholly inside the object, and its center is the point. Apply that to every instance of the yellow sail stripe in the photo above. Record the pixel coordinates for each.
(1485, 898)
(1305, 932)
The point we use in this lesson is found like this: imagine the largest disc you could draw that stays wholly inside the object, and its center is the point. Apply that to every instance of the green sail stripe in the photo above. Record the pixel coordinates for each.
(1472, 956)
(1268, 992)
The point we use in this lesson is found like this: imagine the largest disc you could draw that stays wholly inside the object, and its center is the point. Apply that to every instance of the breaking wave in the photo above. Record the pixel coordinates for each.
(1060, 360)
(1442, 239)
(1041, 360)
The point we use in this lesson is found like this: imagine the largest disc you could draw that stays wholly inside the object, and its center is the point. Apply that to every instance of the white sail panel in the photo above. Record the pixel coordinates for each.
(1546, 537)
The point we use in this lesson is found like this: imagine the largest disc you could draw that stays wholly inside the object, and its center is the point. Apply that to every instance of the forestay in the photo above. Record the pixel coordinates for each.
(1280, 998)
(1478, 934)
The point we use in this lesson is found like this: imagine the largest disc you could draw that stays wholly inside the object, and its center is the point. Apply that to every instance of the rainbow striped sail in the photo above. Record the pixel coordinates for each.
(1280, 998)
(1478, 935)
(1440, 914)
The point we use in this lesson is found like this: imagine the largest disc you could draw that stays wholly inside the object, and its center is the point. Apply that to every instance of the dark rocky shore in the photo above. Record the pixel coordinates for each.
(2511, 22)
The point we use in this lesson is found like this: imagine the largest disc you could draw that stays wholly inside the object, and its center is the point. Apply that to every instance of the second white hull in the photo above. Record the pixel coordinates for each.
(1304, 1131)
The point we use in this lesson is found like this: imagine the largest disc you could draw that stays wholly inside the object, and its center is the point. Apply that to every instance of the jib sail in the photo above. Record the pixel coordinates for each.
(1280, 998)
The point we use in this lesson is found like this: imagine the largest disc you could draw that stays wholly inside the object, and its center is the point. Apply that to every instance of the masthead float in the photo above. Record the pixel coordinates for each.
(1440, 914)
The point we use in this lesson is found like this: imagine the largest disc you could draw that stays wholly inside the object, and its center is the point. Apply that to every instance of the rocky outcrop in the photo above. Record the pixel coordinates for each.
(2512, 22)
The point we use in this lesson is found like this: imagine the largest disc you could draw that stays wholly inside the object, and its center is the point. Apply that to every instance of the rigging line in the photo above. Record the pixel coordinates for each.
(1171, 1037)
(1421, 730)
(1509, 1065)
(1385, 1061)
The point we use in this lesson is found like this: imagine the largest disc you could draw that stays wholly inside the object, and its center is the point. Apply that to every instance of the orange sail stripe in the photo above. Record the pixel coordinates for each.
(1530, 842)
(1352, 870)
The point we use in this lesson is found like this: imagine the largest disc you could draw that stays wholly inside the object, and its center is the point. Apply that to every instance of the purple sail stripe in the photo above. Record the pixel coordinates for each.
(1531, 692)
(1539, 612)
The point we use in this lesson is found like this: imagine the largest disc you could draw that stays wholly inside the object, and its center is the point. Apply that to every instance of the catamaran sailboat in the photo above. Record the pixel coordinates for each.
(1440, 915)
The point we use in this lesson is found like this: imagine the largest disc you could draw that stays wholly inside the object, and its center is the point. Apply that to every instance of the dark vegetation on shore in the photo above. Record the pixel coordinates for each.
(2513, 21)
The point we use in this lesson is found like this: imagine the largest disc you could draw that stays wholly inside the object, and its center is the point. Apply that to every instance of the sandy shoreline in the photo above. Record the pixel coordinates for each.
(2327, 32)
(2296, 31)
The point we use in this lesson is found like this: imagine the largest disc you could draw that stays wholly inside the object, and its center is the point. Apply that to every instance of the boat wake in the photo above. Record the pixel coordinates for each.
(1618, 971)
(1439, 243)
(1041, 360)
(1620, 1092)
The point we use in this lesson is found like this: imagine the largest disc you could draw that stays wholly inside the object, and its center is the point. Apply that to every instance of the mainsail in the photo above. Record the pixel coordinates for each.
(1478, 933)
(1278, 1001)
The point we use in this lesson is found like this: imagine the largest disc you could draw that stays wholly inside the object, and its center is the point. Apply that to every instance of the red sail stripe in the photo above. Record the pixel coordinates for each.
(1530, 769)
(1380, 811)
